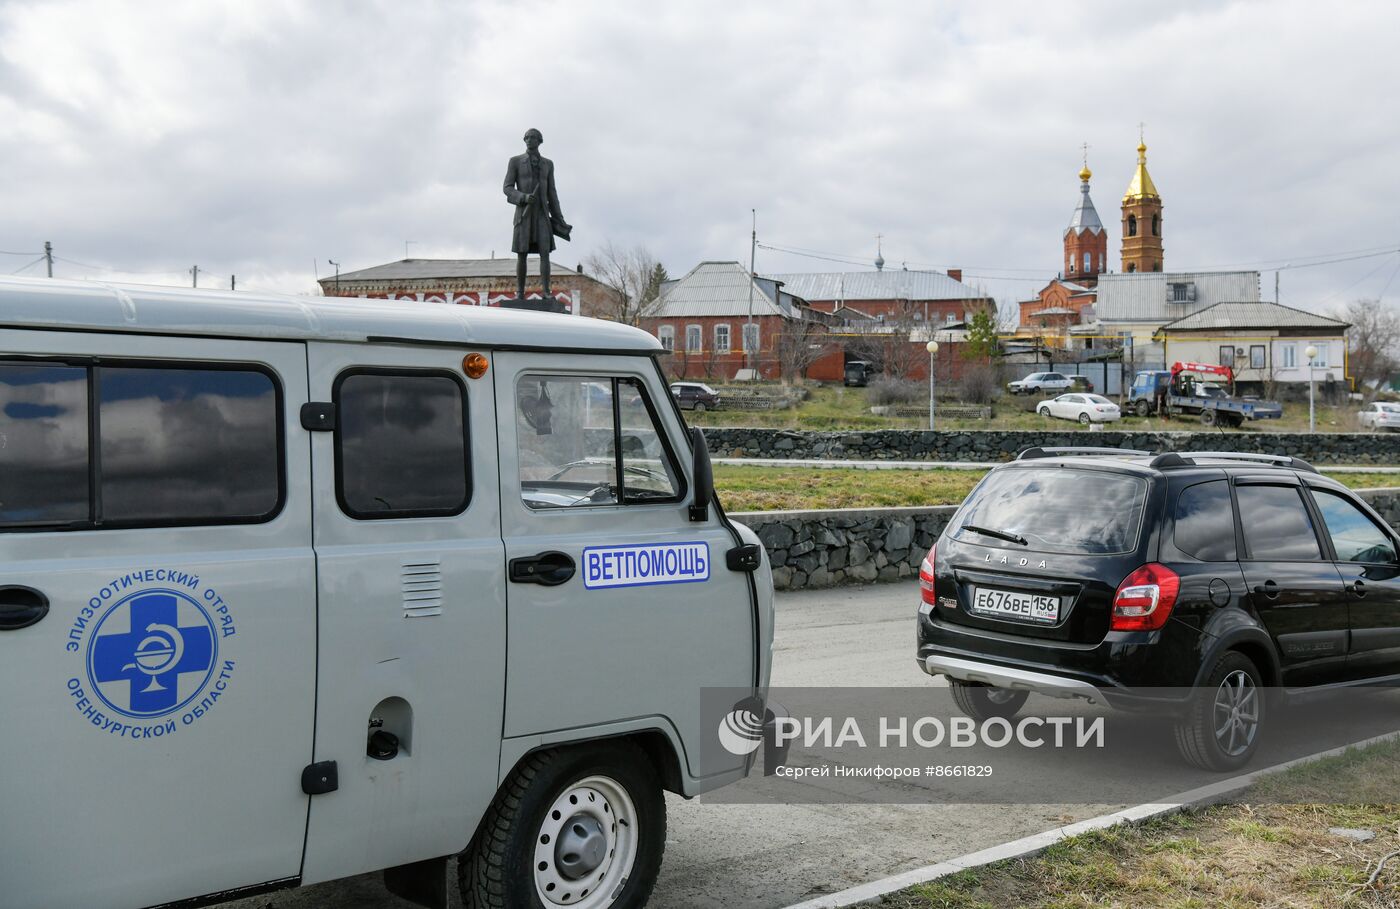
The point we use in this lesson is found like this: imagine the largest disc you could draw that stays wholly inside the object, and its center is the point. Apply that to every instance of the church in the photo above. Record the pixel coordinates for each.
(1090, 306)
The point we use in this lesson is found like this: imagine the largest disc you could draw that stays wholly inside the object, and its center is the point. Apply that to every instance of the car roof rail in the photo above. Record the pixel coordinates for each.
(1269, 460)
(1060, 451)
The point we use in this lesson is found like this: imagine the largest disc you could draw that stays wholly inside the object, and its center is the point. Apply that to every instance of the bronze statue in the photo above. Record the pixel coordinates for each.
(529, 186)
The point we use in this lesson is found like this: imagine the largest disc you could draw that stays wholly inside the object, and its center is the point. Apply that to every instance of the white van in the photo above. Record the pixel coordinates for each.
(293, 589)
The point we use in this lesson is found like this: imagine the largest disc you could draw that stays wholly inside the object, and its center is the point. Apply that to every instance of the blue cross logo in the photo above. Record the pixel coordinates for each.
(139, 672)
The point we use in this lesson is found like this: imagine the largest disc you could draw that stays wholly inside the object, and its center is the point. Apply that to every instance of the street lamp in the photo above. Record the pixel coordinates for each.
(932, 348)
(1311, 353)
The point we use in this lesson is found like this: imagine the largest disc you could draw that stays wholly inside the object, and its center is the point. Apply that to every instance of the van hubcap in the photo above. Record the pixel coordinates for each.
(587, 845)
(1236, 713)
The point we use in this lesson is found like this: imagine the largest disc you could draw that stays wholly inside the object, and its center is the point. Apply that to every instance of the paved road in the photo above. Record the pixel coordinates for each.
(768, 856)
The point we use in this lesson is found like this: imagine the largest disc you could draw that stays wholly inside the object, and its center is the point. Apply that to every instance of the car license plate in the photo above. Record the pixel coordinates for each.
(1028, 607)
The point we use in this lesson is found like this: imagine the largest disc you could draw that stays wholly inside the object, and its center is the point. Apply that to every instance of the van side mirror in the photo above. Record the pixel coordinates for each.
(703, 476)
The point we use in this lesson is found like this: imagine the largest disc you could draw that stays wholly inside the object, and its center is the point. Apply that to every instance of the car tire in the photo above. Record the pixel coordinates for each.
(1234, 680)
(983, 702)
(1085, 419)
(1142, 408)
(1044, 411)
(1033, 391)
(699, 407)
(518, 851)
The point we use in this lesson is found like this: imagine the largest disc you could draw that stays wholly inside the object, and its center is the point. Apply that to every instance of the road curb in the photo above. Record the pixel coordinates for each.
(874, 891)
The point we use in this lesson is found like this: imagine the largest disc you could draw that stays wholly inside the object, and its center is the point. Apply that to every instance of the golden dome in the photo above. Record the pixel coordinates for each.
(1141, 186)
(1085, 174)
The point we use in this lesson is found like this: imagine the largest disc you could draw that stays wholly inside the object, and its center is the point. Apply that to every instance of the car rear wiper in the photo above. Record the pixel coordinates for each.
(999, 534)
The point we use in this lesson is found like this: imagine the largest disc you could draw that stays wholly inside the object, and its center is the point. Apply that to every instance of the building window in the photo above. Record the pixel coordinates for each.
(693, 338)
(1227, 355)
(1156, 225)
(666, 334)
(1182, 293)
(1320, 361)
(1156, 266)
(1132, 266)
(1070, 260)
(1100, 261)
(1258, 357)
(950, 318)
(1288, 356)
(1132, 225)
(722, 339)
(751, 337)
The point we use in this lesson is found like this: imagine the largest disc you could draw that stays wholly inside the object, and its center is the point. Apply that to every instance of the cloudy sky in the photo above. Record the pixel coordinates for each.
(265, 137)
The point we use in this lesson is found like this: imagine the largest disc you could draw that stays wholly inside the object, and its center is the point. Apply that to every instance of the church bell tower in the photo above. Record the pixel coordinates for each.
(1142, 220)
(1086, 241)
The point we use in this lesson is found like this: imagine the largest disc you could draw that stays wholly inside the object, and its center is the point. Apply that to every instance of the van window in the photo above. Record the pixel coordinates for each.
(1056, 509)
(187, 445)
(1276, 524)
(43, 444)
(587, 441)
(401, 445)
(175, 445)
(1205, 522)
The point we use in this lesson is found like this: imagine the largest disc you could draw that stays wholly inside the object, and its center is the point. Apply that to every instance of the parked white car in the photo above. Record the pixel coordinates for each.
(1380, 415)
(1039, 383)
(1084, 408)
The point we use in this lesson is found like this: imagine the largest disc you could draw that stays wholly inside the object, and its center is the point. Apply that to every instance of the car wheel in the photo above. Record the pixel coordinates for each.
(1044, 411)
(699, 407)
(1033, 391)
(1142, 407)
(571, 827)
(982, 702)
(1084, 418)
(1220, 730)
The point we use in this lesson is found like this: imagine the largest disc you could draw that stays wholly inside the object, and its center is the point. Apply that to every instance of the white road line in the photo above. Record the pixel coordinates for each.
(1030, 845)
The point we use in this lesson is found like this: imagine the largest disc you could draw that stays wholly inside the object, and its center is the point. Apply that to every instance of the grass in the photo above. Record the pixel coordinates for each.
(812, 488)
(1274, 852)
(835, 407)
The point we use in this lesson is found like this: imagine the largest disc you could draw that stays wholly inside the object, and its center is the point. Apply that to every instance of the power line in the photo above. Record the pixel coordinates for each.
(29, 266)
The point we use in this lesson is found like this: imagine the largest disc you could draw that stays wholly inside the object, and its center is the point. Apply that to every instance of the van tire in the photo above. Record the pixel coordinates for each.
(982, 702)
(497, 870)
(1195, 731)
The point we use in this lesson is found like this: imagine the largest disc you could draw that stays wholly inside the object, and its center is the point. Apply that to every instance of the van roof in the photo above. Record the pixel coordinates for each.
(50, 304)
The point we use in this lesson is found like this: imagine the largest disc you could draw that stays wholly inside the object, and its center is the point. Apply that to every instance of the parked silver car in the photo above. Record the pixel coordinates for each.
(1380, 415)
(1040, 383)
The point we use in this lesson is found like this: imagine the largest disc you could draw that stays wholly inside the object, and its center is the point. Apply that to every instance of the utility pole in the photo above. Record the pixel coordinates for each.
(337, 275)
(233, 282)
(48, 256)
(194, 271)
(748, 329)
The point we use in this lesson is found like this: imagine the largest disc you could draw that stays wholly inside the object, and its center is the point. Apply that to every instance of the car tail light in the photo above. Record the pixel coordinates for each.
(926, 576)
(1145, 599)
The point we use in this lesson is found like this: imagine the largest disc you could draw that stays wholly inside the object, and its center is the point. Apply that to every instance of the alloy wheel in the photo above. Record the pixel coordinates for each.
(1236, 713)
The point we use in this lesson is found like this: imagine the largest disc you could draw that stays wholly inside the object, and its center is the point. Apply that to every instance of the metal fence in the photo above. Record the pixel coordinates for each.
(1109, 376)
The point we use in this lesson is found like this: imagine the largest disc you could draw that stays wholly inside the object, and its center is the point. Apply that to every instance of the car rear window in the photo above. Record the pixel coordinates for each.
(1057, 509)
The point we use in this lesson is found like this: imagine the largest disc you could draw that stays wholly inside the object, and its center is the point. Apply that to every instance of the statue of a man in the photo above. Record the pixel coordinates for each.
(529, 186)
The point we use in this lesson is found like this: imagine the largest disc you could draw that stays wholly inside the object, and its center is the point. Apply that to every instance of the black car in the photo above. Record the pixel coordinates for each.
(1197, 582)
(696, 396)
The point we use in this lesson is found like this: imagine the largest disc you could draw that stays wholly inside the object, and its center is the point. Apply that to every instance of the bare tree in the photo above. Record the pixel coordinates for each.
(801, 343)
(633, 278)
(1373, 339)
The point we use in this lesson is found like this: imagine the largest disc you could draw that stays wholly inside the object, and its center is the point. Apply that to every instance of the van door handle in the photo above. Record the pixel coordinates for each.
(1268, 589)
(548, 568)
(21, 607)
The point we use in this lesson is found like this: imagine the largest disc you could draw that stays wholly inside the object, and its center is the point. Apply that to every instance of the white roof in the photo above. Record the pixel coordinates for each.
(1145, 296)
(721, 289)
(893, 284)
(42, 303)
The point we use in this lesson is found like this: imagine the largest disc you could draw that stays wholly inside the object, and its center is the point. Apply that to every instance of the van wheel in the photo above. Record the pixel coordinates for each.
(699, 407)
(982, 702)
(578, 827)
(1220, 730)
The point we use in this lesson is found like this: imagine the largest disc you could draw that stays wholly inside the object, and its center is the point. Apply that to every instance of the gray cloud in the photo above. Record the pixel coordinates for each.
(257, 137)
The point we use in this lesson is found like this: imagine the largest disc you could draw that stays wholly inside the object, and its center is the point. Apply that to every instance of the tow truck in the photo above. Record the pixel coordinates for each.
(1182, 390)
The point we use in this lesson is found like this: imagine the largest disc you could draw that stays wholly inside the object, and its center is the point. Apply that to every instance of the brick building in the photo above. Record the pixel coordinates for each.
(704, 319)
(473, 282)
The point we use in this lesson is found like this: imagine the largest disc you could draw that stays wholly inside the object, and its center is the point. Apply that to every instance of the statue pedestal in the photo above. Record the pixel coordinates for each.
(553, 306)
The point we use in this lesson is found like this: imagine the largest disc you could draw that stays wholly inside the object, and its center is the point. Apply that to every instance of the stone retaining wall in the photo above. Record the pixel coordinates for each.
(1002, 445)
(857, 546)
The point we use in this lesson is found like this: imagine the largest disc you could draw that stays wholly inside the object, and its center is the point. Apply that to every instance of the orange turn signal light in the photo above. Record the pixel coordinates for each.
(475, 365)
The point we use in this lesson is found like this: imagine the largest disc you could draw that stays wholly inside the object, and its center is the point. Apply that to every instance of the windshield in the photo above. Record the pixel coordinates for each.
(1057, 509)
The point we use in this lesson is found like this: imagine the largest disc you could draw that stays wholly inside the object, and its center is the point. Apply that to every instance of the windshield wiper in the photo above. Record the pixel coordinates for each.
(999, 534)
